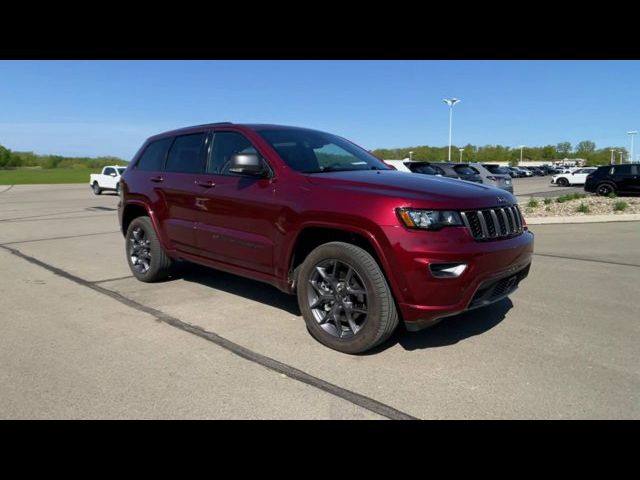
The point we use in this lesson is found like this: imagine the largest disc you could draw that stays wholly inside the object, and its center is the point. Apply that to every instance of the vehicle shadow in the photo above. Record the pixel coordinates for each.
(236, 285)
(450, 330)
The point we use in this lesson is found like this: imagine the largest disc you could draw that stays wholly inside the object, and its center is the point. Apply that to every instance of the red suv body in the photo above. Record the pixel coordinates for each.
(442, 245)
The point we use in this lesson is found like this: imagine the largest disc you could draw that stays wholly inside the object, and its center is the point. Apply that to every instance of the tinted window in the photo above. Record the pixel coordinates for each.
(497, 169)
(635, 170)
(153, 157)
(462, 170)
(310, 151)
(121, 170)
(109, 171)
(185, 154)
(424, 169)
(225, 145)
(622, 169)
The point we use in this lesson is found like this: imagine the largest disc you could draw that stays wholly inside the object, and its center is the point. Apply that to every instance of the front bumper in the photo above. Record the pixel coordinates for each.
(423, 299)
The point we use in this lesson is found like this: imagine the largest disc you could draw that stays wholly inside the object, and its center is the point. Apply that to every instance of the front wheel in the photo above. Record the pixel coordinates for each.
(605, 189)
(147, 260)
(345, 299)
(563, 182)
(96, 188)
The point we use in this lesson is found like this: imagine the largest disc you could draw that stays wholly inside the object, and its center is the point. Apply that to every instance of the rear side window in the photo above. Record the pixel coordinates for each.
(622, 169)
(109, 171)
(153, 157)
(462, 170)
(185, 155)
(424, 169)
(498, 170)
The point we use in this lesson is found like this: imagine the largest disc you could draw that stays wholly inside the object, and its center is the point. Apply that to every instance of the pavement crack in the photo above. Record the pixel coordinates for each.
(243, 352)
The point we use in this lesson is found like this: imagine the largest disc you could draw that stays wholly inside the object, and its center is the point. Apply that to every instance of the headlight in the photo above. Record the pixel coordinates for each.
(428, 219)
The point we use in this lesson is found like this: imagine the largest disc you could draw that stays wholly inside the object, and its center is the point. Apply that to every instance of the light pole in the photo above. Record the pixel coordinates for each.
(521, 147)
(451, 102)
(461, 150)
(410, 155)
(631, 133)
(621, 157)
(613, 160)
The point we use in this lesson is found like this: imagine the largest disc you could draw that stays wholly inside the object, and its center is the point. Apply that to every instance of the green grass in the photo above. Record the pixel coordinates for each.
(582, 208)
(548, 200)
(533, 203)
(620, 206)
(55, 175)
(569, 197)
(613, 195)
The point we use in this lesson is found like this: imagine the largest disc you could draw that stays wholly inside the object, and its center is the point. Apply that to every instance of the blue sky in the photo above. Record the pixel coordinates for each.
(109, 107)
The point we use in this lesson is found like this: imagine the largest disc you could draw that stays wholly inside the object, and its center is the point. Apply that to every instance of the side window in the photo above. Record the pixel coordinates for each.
(185, 155)
(438, 170)
(109, 171)
(153, 157)
(635, 169)
(622, 169)
(225, 145)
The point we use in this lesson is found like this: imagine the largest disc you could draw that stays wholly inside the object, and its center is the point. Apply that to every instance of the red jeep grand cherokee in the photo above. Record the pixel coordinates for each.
(362, 245)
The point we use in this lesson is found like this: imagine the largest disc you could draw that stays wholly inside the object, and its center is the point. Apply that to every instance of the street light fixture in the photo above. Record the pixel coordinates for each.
(451, 102)
(461, 150)
(631, 133)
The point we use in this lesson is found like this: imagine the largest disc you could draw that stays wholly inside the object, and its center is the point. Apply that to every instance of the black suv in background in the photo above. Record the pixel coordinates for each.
(619, 179)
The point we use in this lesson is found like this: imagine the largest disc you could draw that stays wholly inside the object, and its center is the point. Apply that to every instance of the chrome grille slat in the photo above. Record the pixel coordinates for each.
(493, 223)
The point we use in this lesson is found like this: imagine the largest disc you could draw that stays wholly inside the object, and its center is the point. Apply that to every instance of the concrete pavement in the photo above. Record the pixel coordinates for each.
(81, 338)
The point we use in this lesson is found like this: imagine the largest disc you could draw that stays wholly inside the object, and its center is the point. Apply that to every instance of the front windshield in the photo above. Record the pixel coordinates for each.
(309, 151)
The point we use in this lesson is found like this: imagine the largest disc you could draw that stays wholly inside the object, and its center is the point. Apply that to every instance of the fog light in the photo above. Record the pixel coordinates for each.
(447, 270)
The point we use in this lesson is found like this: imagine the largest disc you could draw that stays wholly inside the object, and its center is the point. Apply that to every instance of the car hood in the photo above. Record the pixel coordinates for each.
(426, 191)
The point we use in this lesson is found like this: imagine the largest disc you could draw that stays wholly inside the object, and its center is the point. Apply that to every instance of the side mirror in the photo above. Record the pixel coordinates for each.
(113, 174)
(247, 164)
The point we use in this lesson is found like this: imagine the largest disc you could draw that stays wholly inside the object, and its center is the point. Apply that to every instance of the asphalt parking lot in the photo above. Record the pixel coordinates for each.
(81, 338)
(525, 188)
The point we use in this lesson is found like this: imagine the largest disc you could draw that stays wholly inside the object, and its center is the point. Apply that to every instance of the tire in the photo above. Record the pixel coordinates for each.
(96, 188)
(605, 189)
(118, 188)
(342, 297)
(563, 182)
(146, 258)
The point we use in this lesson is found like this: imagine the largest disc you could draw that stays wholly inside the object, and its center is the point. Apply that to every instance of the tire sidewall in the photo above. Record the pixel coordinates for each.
(607, 186)
(96, 188)
(563, 182)
(145, 224)
(366, 337)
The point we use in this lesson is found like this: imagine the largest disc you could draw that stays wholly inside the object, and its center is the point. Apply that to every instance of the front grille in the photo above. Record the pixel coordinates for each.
(493, 223)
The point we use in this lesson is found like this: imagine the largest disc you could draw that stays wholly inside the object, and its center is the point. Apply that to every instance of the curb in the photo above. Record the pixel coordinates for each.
(629, 217)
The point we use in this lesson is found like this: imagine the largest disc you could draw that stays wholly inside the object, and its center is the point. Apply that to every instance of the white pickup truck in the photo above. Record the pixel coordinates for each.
(109, 179)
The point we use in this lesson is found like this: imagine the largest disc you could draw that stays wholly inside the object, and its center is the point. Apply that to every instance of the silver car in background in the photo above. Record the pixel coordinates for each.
(494, 175)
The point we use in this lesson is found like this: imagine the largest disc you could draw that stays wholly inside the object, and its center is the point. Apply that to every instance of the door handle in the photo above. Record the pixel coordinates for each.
(157, 179)
(205, 183)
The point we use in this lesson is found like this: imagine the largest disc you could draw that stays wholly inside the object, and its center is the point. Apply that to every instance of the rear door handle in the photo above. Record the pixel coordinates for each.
(205, 183)
(157, 179)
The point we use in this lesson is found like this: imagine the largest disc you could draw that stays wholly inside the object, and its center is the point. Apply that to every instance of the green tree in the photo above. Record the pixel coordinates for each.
(563, 149)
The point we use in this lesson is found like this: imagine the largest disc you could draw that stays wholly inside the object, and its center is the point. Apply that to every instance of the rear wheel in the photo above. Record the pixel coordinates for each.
(344, 298)
(96, 188)
(147, 260)
(605, 189)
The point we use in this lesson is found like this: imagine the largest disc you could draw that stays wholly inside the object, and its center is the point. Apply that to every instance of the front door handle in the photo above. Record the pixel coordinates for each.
(205, 183)
(157, 179)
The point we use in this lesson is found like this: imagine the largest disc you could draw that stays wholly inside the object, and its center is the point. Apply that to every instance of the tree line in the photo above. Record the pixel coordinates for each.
(9, 159)
(586, 150)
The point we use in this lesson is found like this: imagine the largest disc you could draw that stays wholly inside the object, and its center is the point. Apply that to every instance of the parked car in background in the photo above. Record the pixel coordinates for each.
(493, 175)
(461, 171)
(109, 179)
(514, 172)
(365, 247)
(524, 171)
(619, 179)
(536, 171)
(414, 167)
(577, 177)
